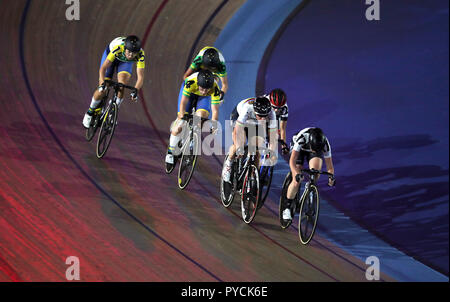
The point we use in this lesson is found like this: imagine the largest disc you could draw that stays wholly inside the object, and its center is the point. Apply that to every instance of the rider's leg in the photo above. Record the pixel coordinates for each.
(124, 70)
(292, 190)
(316, 163)
(98, 96)
(176, 128)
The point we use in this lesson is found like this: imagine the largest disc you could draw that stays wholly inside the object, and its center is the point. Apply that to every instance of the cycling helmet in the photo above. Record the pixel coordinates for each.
(211, 58)
(261, 106)
(316, 139)
(205, 79)
(277, 97)
(133, 44)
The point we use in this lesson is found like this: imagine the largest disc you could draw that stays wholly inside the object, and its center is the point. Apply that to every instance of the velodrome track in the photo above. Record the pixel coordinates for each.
(123, 216)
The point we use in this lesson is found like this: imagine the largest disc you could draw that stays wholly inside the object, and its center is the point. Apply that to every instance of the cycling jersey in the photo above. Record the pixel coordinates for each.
(197, 63)
(191, 87)
(246, 114)
(117, 52)
(302, 143)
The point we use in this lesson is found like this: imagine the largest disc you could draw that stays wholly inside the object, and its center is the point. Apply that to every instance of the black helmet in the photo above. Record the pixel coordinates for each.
(261, 106)
(316, 139)
(133, 44)
(205, 79)
(211, 58)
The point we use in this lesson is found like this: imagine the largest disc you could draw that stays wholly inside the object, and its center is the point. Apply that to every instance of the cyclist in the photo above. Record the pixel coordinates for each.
(119, 56)
(211, 59)
(251, 112)
(310, 144)
(203, 86)
(278, 100)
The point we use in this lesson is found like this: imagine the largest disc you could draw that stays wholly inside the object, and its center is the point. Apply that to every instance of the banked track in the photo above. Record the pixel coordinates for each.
(122, 216)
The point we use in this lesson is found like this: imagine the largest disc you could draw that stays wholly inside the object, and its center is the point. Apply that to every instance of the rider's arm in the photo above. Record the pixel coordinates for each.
(106, 64)
(329, 164)
(183, 103)
(224, 81)
(273, 139)
(215, 112)
(188, 72)
(140, 78)
(283, 130)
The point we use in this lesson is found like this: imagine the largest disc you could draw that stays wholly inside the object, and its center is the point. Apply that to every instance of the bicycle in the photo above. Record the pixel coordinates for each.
(190, 148)
(108, 117)
(307, 205)
(245, 178)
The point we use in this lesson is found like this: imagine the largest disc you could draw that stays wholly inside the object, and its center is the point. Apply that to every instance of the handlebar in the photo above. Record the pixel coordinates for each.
(313, 172)
(188, 116)
(117, 86)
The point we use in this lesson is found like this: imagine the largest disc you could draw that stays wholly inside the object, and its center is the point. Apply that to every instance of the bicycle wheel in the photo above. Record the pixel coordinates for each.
(266, 180)
(90, 132)
(287, 181)
(107, 130)
(227, 189)
(309, 213)
(188, 160)
(250, 194)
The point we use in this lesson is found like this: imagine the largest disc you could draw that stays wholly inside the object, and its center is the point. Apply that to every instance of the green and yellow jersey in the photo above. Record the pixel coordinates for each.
(191, 87)
(197, 63)
(117, 52)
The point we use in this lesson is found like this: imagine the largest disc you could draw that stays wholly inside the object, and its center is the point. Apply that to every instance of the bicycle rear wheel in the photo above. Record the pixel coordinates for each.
(309, 214)
(250, 194)
(107, 130)
(266, 180)
(228, 189)
(188, 160)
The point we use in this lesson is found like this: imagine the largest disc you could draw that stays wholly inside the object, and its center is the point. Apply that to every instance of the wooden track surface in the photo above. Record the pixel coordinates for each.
(123, 216)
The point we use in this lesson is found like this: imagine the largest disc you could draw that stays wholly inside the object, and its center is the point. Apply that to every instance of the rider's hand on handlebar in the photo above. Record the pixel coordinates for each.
(299, 177)
(102, 87)
(331, 181)
(134, 95)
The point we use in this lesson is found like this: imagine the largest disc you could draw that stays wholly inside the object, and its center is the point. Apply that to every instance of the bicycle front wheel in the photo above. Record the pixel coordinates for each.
(228, 189)
(266, 181)
(309, 214)
(250, 194)
(188, 160)
(107, 130)
(90, 132)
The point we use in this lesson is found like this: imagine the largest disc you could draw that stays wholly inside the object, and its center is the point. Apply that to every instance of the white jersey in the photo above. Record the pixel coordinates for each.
(247, 115)
(302, 143)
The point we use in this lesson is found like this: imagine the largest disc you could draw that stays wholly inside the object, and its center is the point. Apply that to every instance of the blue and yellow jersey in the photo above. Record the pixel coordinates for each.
(197, 63)
(117, 52)
(191, 87)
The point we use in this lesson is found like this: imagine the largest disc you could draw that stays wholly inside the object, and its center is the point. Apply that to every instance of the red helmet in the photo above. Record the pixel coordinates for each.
(277, 97)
